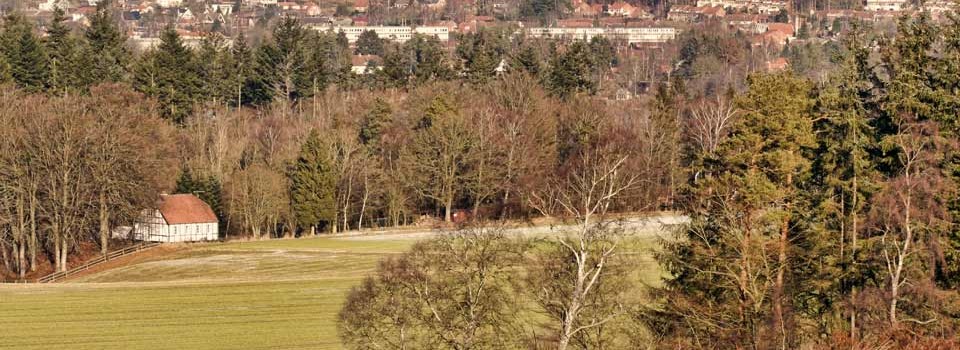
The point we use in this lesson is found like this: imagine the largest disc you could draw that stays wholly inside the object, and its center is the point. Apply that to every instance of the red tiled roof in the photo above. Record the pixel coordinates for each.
(185, 209)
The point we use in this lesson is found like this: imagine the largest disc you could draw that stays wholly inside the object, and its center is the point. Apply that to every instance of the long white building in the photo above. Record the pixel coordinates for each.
(767, 7)
(885, 5)
(642, 35)
(392, 33)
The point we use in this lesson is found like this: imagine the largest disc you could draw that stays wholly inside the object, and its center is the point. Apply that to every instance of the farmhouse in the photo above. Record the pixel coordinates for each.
(179, 218)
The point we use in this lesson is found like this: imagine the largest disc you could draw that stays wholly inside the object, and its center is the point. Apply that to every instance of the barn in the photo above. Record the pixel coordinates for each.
(178, 218)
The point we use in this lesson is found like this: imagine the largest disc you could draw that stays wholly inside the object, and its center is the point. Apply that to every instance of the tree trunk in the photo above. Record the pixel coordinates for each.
(22, 257)
(363, 204)
(447, 209)
(782, 267)
(33, 233)
(104, 224)
(65, 252)
(56, 247)
(6, 255)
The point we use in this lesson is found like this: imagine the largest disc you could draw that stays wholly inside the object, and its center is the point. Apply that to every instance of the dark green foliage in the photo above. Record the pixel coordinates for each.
(243, 84)
(24, 54)
(329, 61)
(369, 44)
(312, 185)
(482, 53)
(722, 284)
(374, 122)
(106, 46)
(417, 61)
(67, 61)
(281, 63)
(170, 74)
(526, 59)
(215, 68)
(570, 71)
(543, 9)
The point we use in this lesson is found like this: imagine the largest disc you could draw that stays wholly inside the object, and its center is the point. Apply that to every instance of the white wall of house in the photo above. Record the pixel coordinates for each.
(155, 229)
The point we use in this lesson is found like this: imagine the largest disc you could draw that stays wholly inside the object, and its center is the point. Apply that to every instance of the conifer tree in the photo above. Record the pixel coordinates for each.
(24, 53)
(66, 59)
(169, 73)
(369, 44)
(106, 46)
(313, 186)
(374, 122)
(730, 270)
(281, 62)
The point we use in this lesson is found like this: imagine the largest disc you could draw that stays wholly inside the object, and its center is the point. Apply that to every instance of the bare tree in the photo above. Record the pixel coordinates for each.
(586, 195)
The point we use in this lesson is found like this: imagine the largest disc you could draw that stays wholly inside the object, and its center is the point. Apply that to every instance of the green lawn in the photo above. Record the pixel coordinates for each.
(272, 294)
(282, 294)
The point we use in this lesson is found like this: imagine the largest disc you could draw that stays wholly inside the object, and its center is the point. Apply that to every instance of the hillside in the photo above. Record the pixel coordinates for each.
(280, 294)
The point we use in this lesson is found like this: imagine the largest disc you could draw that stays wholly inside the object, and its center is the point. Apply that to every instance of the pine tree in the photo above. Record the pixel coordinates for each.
(170, 74)
(66, 59)
(369, 44)
(570, 71)
(844, 179)
(106, 46)
(281, 62)
(242, 83)
(313, 186)
(374, 122)
(24, 53)
(214, 66)
(730, 269)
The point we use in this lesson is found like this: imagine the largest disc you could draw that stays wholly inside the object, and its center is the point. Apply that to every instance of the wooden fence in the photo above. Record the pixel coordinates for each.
(53, 277)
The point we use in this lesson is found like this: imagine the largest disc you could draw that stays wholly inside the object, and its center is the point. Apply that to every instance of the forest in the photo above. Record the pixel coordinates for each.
(821, 201)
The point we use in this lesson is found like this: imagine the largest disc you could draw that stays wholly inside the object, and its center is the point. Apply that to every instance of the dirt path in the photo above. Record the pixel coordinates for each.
(653, 225)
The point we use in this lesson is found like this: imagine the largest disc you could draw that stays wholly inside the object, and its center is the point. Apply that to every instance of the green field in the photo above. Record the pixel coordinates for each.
(273, 294)
(282, 294)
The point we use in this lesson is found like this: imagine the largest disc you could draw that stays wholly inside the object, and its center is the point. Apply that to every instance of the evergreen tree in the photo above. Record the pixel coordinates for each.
(844, 180)
(527, 59)
(243, 85)
(481, 53)
(215, 65)
(281, 62)
(374, 122)
(570, 71)
(731, 269)
(369, 44)
(169, 73)
(313, 186)
(24, 53)
(67, 62)
(106, 46)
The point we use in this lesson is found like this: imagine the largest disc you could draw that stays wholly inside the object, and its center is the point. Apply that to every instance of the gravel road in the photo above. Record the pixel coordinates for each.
(647, 226)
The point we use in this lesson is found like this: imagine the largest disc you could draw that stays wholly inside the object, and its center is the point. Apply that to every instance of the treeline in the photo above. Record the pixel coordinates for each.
(822, 215)
(282, 140)
(288, 65)
(73, 168)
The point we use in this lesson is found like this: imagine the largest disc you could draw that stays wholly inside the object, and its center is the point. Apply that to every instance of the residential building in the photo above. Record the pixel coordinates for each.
(178, 218)
(393, 33)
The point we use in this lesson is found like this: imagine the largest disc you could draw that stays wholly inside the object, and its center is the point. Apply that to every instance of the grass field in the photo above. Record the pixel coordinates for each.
(282, 294)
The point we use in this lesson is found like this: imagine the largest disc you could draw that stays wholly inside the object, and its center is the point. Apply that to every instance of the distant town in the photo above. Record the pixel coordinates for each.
(638, 25)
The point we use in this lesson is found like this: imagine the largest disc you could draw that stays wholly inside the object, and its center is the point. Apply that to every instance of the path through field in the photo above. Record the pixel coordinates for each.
(280, 294)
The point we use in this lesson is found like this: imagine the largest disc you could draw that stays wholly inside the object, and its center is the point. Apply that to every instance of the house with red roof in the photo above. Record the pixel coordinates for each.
(178, 218)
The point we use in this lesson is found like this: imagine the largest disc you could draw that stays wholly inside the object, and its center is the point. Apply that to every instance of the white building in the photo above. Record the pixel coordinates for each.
(392, 33)
(885, 5)
(766, 7)
(179, 218)
(643, 35)
(50, 5)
